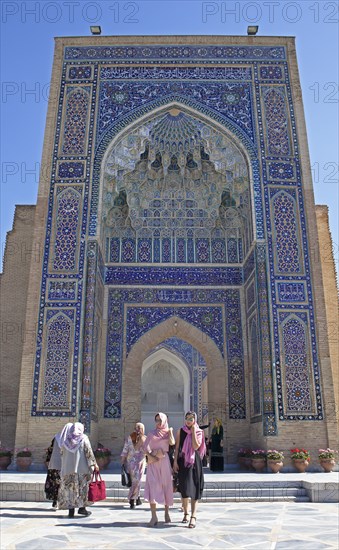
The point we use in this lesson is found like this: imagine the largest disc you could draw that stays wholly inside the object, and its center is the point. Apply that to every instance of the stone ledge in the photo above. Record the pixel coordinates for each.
(29, 487)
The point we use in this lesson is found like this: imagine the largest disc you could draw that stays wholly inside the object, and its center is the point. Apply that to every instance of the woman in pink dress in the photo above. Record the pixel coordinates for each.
(159, 488)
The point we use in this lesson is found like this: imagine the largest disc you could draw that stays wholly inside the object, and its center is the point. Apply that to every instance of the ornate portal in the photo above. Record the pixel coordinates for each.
(179, 267)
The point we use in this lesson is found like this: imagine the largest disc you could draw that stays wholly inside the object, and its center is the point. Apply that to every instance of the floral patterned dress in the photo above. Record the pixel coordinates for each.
(75, 476)
(135, 462)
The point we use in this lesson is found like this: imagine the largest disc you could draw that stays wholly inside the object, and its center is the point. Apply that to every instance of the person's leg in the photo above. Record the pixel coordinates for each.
(194, 504)
(133, 492)
(167, 516)
(185, 509)
(154, 518)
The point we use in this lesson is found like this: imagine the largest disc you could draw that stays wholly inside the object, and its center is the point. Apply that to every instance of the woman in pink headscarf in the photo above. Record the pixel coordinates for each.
(190, 448)
(159, 488)
(77, 463)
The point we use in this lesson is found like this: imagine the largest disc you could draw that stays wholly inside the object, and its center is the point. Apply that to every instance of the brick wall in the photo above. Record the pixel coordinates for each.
(13, 292)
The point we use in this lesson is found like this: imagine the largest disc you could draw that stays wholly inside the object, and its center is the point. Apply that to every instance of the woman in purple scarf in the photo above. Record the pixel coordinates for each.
(189, 450)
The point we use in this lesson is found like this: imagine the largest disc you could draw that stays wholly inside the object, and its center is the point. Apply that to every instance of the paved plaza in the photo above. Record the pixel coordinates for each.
(236, 525)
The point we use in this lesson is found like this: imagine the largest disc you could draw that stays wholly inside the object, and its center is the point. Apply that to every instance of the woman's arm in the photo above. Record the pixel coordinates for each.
(171, 437)
(91, 461)
(195, 443)
(176, 452)
(150, 454)
(126, 449)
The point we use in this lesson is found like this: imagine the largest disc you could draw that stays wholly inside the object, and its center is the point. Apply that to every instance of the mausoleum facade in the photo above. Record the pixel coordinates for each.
(179, 265)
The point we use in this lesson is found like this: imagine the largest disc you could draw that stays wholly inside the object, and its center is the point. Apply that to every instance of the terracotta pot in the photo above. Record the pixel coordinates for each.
(5, 462)
(23, 463)
(328, 464)
(300, 464)
(275, 465)
(259, 464)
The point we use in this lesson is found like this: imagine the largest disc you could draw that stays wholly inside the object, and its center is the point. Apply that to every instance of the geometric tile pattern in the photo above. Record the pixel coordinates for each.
(204, 315)
(67, 221)
(57, 362)
(286, 236)
(75, 121)
(276, 118)
(296, 370)
(246, 91)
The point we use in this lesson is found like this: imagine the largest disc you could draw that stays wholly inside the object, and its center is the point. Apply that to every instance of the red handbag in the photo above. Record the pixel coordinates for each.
(96, 488)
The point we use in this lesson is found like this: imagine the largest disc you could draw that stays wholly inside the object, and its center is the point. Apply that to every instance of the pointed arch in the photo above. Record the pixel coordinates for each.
(164, 354)
(215, 364)
(219, 124)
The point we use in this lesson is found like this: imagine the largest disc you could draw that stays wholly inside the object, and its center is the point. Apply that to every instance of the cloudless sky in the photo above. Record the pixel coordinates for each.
(27, 45)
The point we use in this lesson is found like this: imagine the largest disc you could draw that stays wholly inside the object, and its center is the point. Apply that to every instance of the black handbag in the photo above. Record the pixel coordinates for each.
(125, 477)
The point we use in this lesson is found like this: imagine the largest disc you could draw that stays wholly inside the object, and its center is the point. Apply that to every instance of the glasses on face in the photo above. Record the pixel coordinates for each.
(158, 420)
(189, 419)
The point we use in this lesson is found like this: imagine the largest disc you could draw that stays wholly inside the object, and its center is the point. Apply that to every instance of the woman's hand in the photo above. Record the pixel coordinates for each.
(159, 453)
(175, 467)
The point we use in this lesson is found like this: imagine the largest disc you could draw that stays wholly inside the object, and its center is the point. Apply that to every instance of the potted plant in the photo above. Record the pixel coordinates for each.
(327, 459)
(259, 460)
(301, 459)
(5, 458)
(245, 458)
(102, 456)
(23, 459)
(275, 460)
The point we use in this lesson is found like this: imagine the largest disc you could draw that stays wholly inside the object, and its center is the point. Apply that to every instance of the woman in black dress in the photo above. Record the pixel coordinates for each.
(216, 446)
(189, 450)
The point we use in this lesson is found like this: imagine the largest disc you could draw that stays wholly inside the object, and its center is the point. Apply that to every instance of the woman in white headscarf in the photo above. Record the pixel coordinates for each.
(77, 463)
(133, 454)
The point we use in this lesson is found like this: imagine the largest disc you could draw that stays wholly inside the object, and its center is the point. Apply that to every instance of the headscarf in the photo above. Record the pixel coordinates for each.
(72, 436)
(162, 431)
(58, 435)
(187, 448)
(216, 429)
(136, 436)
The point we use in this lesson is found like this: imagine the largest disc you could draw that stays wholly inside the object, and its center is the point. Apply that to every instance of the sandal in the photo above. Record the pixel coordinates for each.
(184, 520)
(192, 525)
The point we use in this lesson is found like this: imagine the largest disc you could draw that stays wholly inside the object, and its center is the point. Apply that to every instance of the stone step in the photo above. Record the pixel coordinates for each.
(235, 487)
(225, 494)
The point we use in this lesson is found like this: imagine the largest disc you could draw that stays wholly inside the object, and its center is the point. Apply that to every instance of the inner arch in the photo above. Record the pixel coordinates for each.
(176, 189)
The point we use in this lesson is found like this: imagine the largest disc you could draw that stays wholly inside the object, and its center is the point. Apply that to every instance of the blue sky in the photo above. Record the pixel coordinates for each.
(27, 44)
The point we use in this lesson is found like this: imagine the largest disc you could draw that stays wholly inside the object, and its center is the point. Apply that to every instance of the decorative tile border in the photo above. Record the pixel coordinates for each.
(210, 306)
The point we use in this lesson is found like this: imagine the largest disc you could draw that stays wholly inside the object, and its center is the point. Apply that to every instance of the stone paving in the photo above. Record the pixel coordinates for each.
(233, 525)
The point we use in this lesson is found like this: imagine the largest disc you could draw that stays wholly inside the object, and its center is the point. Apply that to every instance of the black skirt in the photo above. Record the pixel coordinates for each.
(191, 480)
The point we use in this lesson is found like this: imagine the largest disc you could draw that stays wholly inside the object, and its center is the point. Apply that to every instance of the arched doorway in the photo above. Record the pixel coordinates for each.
(165, 386)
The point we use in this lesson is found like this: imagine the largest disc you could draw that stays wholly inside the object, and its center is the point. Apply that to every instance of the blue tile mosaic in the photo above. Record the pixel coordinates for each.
(246, 90)
(74, 170)
(203, 314)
